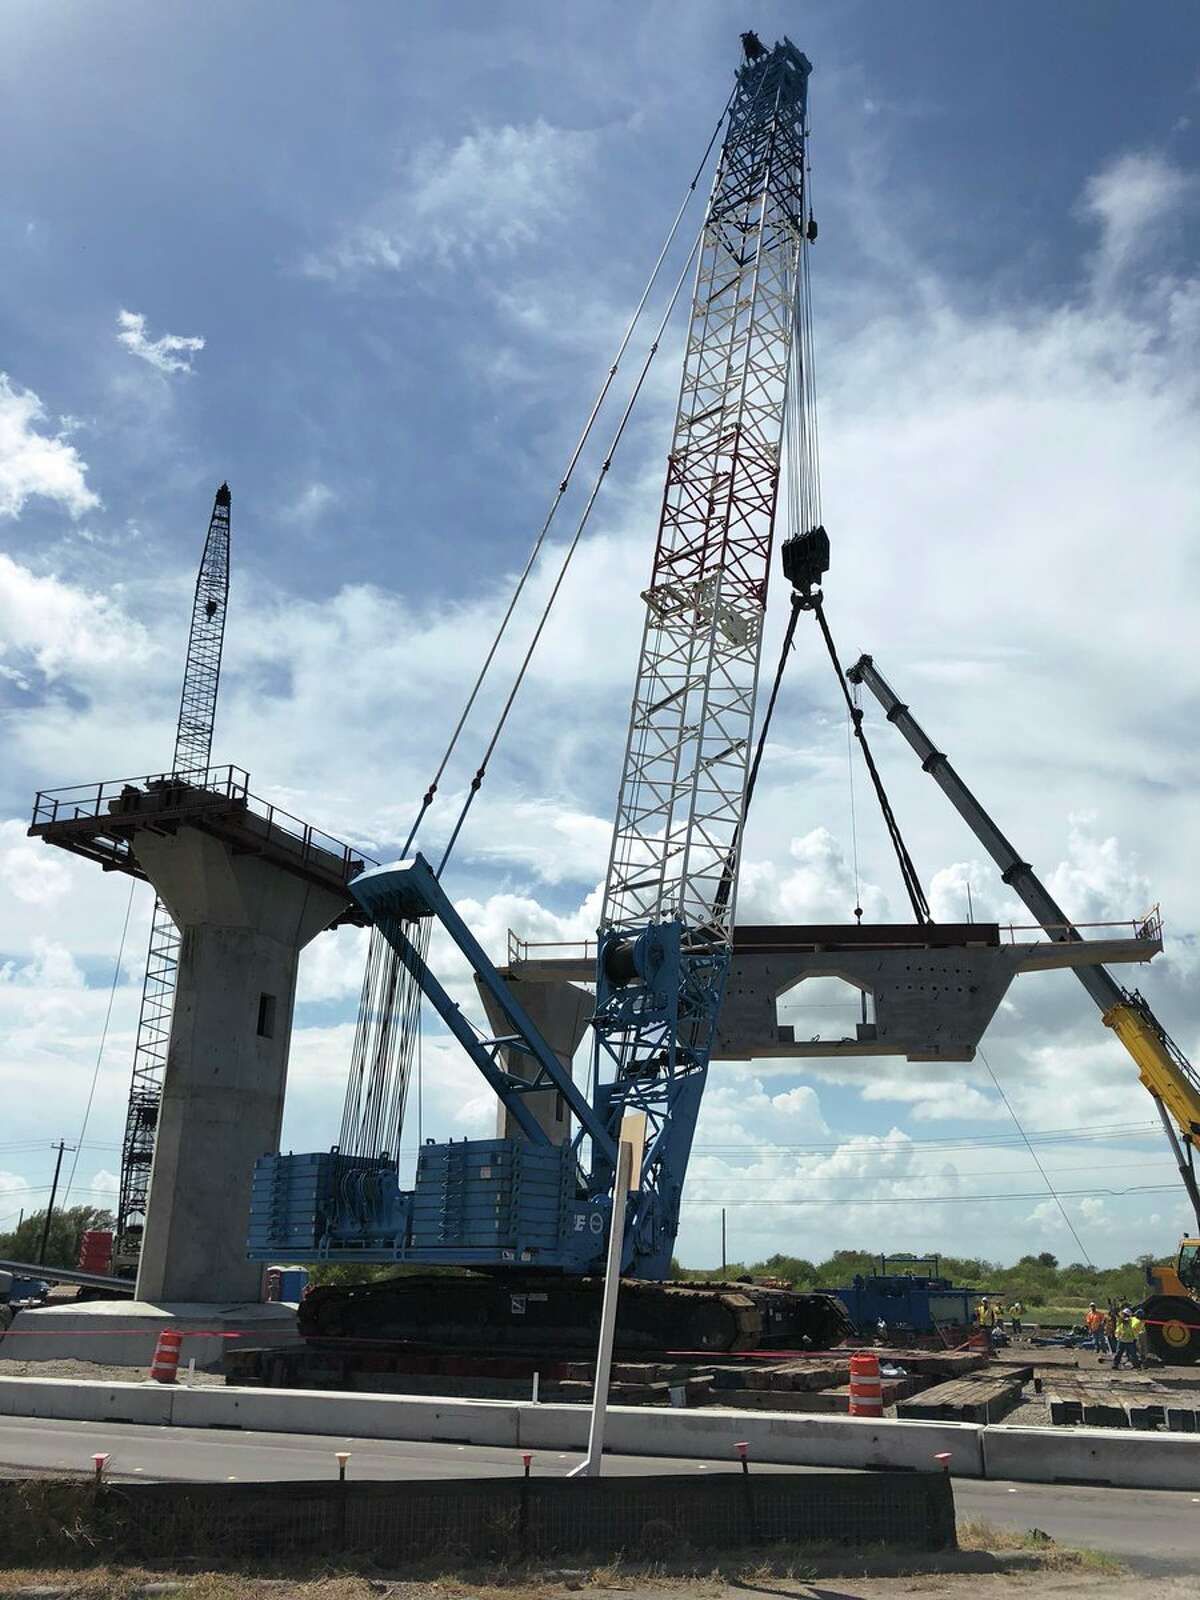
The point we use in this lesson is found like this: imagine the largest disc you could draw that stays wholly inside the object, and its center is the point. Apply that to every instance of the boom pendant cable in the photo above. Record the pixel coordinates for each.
(564, 483)
(585, 515)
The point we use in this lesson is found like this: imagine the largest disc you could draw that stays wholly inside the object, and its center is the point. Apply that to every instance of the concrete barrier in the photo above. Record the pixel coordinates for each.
(1124, 1458)
(801, 1440)
(361, 1416)
(71, 1401)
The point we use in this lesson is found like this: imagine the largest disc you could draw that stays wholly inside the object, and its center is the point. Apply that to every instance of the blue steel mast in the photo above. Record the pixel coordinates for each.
(667, 922)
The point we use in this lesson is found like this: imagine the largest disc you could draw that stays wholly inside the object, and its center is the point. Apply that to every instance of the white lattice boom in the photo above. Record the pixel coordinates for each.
(683, 789)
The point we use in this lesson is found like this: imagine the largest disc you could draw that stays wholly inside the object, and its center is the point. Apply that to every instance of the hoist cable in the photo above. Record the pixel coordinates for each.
(908, 871)
(112, 993)
(565, 480)
(721, 898)
(585, 515)
(858, 907)
(1057, 1198)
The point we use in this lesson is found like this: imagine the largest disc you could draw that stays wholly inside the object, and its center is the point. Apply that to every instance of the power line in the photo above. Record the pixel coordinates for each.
(866, 1141)
(941, 1199)
(992, 1172)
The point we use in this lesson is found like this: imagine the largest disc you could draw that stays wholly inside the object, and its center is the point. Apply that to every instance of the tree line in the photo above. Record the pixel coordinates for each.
(67, 1229)
(1034, 1280)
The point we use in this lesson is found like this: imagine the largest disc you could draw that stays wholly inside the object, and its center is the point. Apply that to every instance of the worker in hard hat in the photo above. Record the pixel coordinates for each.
(1094, 1323)
(1129, 1327)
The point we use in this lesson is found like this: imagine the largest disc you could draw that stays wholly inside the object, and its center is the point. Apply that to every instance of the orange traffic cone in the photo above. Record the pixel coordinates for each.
(866, 1391)
(166, 1356)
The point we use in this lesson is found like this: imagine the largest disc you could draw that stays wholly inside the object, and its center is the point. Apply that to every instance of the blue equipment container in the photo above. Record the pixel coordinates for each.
(913, 1300)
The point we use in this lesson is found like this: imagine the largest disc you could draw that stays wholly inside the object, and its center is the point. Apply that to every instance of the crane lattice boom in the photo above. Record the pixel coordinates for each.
(688, 749)
(193, 750)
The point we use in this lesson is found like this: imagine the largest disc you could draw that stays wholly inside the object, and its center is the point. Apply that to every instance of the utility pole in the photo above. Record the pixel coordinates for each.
(50, 1207)
(722, 1238)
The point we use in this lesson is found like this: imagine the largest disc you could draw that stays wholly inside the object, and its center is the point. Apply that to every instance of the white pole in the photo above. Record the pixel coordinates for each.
(590, 1466)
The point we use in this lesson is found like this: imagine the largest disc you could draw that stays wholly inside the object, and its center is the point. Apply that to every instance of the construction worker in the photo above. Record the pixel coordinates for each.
(1094, 1323)
(1128, 1329)
(983, 1316)
(1014, 1316)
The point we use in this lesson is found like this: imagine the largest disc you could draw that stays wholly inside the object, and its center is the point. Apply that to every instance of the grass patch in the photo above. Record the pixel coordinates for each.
(977, 1534)
(984, 1549)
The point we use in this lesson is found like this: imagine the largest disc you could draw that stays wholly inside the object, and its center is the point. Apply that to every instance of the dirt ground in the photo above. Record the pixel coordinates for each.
(93, 1371)
(972, 1585)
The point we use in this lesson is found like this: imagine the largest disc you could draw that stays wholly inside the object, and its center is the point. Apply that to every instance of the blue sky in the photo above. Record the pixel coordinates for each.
(390, 250)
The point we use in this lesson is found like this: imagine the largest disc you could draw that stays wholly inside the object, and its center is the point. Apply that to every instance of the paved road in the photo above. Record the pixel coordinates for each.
(1154, 1531)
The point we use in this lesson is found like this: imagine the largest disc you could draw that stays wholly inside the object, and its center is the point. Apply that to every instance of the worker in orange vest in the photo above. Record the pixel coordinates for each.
(1094, 1323)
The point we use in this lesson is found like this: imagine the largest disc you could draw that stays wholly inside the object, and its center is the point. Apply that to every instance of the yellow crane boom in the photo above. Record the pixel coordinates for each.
(1172, 1314)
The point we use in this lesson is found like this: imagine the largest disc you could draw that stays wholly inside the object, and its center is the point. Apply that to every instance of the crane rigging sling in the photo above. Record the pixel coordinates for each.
(908, 872)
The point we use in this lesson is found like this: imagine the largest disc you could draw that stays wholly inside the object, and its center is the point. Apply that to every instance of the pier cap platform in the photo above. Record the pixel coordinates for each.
(100, 820)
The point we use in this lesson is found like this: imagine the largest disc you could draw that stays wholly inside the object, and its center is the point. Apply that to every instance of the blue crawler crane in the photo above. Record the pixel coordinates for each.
(531, 1211)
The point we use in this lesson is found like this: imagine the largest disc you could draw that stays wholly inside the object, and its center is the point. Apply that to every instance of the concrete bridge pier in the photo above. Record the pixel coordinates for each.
(243, 922)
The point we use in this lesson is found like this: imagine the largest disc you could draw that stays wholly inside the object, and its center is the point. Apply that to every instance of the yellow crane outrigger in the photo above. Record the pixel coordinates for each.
(1172, 1310)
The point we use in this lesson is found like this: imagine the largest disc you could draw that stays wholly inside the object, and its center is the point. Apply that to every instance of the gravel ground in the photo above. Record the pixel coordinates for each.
(92, 1371)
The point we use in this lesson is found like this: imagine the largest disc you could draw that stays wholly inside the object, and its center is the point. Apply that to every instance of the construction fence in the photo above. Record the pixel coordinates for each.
(493, 1518)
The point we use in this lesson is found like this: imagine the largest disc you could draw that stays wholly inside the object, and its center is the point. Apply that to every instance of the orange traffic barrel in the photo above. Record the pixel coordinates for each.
(866, 1390)
(981, 1339)
(166, 1356)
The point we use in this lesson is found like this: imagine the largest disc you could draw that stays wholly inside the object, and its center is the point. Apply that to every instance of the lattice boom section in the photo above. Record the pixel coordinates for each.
(202, 675)
(682, 793)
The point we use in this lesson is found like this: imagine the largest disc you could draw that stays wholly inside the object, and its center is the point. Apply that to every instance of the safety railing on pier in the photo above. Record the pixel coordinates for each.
(229, 785)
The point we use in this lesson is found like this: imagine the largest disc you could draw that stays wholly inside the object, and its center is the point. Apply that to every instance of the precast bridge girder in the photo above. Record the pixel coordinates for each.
(934, 988)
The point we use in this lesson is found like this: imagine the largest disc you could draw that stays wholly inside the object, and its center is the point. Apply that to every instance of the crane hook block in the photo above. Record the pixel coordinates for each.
(806, 559)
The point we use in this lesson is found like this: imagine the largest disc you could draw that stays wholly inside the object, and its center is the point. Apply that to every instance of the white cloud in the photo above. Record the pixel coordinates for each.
(492, 193)
(314, 499)
(938, 1099)
(1132, 200)
(34, 463)
(62, 628)
(35, 875)
(172, 352)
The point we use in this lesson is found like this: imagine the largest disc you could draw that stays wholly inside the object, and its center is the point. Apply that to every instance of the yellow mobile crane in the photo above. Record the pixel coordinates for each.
(1172, 1310)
